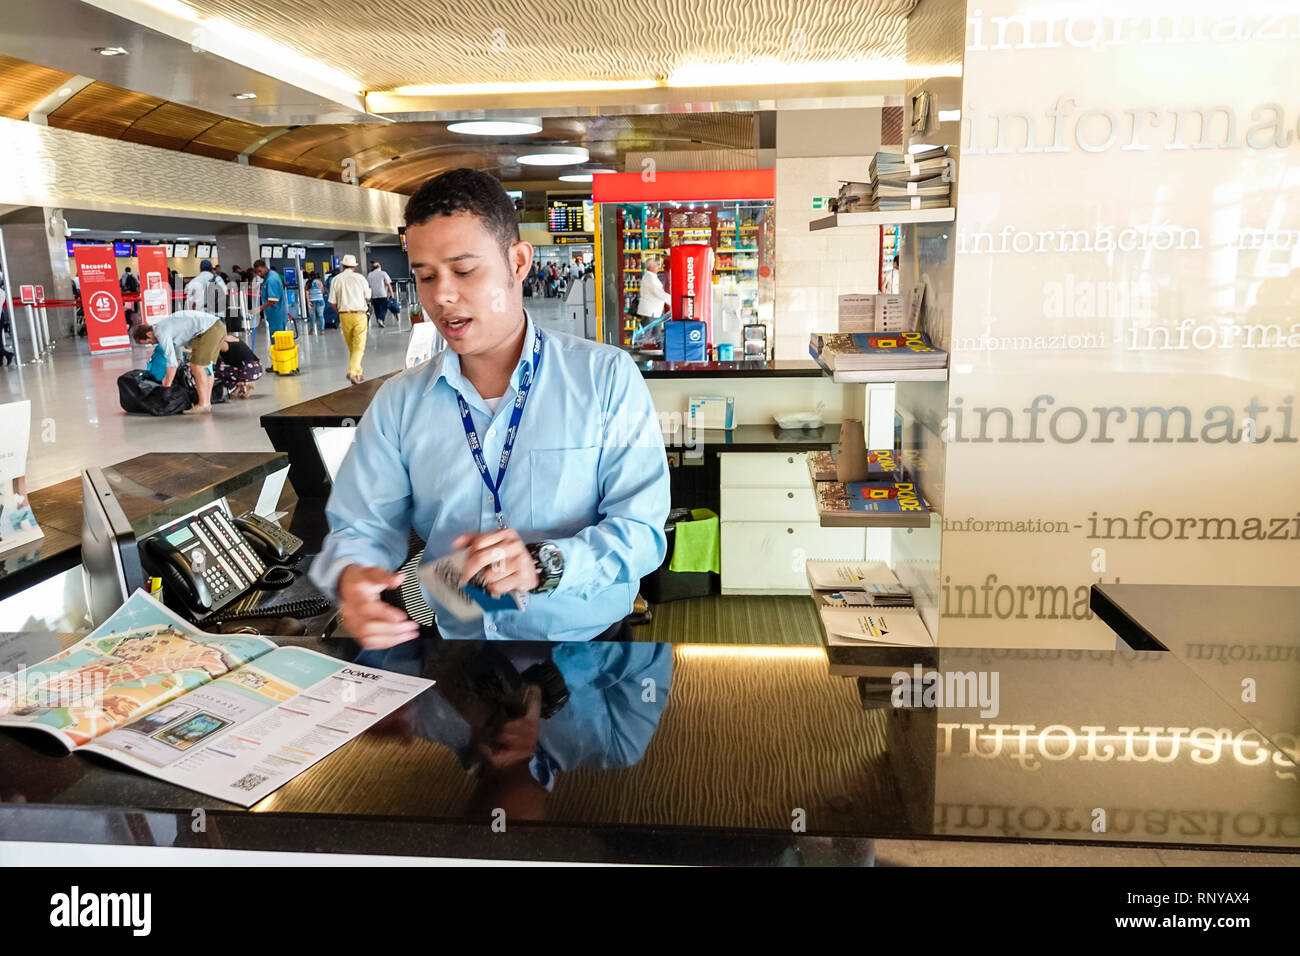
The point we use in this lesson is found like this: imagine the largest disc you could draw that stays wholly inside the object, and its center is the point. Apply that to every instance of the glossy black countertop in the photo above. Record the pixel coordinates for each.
(775, 368)
(755, 438)
(707, 753)
(153, 489)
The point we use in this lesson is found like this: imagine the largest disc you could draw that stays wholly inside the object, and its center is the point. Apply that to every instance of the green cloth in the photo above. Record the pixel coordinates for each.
(698, 544)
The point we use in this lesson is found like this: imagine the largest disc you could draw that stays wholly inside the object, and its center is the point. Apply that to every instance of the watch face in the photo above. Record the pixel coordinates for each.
(551, 559)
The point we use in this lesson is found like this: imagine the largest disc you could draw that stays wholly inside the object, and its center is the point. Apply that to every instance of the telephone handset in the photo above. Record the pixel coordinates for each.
(206, 562)
(272, 542)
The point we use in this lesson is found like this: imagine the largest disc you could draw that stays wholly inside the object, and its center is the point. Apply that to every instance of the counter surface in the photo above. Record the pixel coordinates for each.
(755, 438)
(777, 368)
(681, 753)
(152, 489)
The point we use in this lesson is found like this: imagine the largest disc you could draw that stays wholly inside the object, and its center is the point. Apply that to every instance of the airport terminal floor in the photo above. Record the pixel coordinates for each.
(77, 421)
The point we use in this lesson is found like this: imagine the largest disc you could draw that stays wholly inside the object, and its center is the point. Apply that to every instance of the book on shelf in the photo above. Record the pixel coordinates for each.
(862, 626)
(932, 187)
(912, 203)
(909, 166)
(229, 715)
(849, 351)
(821, 466)
(868, 503)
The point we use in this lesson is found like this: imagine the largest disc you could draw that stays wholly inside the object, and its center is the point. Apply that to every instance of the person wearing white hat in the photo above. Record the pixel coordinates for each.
(349, 294)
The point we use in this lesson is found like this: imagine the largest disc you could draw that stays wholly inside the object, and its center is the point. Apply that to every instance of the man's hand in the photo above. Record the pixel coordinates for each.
(170, 376)
(513, 737)
(509, 566)
(374, 623)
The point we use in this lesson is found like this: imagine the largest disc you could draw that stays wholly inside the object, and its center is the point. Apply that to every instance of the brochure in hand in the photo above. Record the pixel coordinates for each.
(229, 715)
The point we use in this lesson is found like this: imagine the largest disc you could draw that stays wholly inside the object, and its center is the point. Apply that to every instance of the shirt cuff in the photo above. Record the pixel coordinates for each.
(580, 566)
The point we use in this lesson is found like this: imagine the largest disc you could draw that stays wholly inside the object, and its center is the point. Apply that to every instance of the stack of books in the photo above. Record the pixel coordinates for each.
(911, 180)
(853, 197)
(883, 464)
(863, 352)
(864, 504)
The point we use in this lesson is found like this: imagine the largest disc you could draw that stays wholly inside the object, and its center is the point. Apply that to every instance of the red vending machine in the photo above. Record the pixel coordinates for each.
(690, 270)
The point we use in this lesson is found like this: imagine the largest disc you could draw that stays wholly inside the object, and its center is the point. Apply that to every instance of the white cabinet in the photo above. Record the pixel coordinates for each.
(770, 527)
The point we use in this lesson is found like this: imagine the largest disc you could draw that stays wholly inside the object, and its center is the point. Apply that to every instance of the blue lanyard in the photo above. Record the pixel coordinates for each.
(476, 446)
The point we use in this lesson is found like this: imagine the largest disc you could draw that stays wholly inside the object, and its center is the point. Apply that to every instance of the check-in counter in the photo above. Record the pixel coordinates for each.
(653, 756)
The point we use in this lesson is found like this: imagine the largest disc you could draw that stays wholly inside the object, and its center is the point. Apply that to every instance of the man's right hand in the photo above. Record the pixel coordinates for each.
(374, 623)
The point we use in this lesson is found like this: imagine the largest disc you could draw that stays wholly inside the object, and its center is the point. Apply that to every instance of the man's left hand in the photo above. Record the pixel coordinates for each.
(509, 566)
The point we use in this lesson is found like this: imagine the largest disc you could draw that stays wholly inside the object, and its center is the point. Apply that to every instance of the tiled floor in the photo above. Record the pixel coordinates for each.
(77, 421)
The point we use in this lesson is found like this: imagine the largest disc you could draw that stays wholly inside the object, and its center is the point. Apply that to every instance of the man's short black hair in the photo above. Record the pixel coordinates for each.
(259, 264)
(466, 190)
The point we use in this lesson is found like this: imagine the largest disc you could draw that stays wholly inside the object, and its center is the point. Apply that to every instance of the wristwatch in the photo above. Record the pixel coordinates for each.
(550, 566)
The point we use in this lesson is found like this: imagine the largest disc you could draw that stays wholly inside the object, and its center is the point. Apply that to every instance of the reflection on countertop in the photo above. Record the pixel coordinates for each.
(705, 739)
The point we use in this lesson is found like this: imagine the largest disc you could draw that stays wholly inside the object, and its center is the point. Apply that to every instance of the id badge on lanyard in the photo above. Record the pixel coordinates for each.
(476, 446)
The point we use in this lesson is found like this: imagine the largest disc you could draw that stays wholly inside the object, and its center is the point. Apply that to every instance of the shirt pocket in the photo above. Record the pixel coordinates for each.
(565, 490)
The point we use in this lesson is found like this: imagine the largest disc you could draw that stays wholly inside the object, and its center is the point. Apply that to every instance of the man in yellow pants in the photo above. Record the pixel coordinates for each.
(350, 294)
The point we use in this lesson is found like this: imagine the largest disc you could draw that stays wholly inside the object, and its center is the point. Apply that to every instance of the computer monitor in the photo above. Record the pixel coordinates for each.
(110, 560)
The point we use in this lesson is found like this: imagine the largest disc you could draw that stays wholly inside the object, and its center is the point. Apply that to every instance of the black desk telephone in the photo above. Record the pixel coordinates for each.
(207, 560)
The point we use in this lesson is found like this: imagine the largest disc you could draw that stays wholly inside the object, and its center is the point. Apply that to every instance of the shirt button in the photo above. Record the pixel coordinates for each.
(492, 433)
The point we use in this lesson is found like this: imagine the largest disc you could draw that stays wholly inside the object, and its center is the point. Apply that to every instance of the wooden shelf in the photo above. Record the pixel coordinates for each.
(890, 375)
(893, 217)
(868, 519)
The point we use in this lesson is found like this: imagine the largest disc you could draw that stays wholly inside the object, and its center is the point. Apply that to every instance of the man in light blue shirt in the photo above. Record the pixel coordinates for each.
(201, 332)
(576, 515)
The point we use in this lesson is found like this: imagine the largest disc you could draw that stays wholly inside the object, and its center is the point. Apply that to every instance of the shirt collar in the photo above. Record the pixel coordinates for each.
(449, 361)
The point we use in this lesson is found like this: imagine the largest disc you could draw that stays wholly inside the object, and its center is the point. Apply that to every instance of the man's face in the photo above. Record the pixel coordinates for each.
(261, 271)
(470, 289)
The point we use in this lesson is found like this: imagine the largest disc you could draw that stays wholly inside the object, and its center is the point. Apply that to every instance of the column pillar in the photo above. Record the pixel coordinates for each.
(36, 252)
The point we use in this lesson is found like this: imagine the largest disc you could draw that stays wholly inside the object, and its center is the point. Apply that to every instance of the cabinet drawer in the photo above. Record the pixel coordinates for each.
(769, 555)
(763, 470)
(769, 504)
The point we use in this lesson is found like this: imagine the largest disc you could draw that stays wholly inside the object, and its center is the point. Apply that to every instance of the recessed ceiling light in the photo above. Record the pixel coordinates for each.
(128, 232)
(111, 51)
(78, 229)
(556, 156)
(510, 127)
(245, 96)
(577, 178)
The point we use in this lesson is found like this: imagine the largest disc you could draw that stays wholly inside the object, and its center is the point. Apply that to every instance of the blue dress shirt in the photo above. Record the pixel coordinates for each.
(588, 472)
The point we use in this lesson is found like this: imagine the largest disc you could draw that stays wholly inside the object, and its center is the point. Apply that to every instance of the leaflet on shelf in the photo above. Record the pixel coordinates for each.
(898, 625)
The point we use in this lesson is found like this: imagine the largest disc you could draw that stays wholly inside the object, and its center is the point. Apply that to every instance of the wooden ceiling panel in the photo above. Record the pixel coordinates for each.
(103, 110)
(171, 126)
(234, 135)
(293, 144)
(23, 85)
